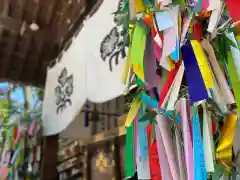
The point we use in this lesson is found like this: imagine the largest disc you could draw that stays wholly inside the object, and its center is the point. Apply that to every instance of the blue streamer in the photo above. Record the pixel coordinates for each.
(175, 54)
(14, 157)
(198, 6)
(154, 104)
(200, 172)
(143, 134)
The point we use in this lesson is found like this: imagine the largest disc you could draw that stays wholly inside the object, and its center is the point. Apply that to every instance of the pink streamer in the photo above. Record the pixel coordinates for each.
(188, 146)
(31, 128)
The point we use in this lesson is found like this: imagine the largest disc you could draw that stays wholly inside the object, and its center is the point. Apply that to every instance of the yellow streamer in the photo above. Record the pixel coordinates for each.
(179, 24)
(135, 105)
(139, 71)
(128, 63)
(9, 170)
(190, 29)
(127, 67)
(130, 31)
(172, 65)
(139, 6)
(137, 50)
(238, 37)
(202, 63)
(17, 161)
(224, 149)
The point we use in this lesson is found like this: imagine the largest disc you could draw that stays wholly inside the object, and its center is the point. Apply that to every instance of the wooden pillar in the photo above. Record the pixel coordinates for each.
(86, 164)
(50, 158)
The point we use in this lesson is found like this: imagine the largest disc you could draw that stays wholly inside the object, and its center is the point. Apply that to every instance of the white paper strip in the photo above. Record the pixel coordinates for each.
(175, 90)
(171, 97)
(214, 4)
(235, 53)
(215, 17)
(221, 80)
(207, 140)
(164, 2)
(180, 156)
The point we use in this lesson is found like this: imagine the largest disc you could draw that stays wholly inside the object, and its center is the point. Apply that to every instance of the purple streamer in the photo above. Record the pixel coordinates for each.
(196, 87)
(86, 119)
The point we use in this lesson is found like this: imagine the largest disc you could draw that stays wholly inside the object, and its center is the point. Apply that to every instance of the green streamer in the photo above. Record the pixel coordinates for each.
(234, 79)
(129, 151)
(218, 172)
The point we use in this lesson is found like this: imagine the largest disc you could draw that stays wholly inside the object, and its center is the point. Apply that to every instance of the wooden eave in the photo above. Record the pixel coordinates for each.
(33, 32)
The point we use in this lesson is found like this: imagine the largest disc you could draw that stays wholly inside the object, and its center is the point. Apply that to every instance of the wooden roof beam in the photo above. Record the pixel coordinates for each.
(32, 37)
(7, 22)
(10, 23)
(14, 36)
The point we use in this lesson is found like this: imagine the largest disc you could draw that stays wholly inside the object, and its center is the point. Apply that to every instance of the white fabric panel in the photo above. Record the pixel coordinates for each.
(54, 122)
(88, 61)
(104, 83)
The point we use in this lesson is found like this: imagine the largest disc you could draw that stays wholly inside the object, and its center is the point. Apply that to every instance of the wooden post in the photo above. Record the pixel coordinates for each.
(50, 158)
(86, 164)
(116, 158)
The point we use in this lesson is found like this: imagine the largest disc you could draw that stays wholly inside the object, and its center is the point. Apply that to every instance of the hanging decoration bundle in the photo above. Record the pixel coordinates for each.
(21, 147)
(185, 60)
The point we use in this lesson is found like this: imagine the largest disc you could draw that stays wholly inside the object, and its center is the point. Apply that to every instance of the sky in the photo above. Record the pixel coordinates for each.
(18, 96)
